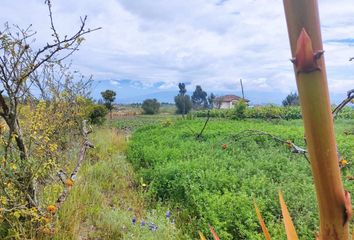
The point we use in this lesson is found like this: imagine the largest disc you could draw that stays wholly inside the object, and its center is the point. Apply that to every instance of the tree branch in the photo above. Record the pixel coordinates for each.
(86, 145)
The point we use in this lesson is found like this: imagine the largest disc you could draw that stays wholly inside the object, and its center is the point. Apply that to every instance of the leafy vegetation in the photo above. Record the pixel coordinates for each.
(199, 98)
(268, 112)
(216, 180)
(291, 100)
(97, 113)
(151, 106)
(108, 97)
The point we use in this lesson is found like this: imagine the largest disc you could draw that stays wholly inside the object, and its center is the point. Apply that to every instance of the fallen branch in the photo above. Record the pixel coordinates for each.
(252, 133)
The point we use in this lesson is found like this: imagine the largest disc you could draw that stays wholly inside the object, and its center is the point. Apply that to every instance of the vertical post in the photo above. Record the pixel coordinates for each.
(306, 47)
(243, 94)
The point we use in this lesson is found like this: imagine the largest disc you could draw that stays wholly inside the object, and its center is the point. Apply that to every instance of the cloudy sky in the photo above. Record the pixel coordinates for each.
(146, 47)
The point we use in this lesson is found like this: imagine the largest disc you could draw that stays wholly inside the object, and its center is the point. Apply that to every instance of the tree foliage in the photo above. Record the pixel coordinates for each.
(96, 113)
(183, 102)
(182, 89)
(108, 97)
(291, 100)
(199, 98)
(211, 100)
(151, 106)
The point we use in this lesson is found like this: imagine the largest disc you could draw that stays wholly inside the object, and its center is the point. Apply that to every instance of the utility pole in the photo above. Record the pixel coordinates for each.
(243, 94)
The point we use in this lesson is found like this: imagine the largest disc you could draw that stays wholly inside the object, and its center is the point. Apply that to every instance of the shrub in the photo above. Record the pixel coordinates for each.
(96, 113)
(240, 109)
(151, 106)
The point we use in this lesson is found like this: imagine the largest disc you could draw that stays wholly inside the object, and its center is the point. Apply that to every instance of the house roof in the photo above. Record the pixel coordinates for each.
(230, 98)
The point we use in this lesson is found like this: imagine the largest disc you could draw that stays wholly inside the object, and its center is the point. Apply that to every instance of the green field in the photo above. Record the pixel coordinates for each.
(216, 178)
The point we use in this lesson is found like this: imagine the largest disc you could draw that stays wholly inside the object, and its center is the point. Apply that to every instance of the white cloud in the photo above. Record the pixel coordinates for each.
(208, 42)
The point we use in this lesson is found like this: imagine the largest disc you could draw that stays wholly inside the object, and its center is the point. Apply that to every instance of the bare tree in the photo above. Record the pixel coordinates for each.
(19, 63)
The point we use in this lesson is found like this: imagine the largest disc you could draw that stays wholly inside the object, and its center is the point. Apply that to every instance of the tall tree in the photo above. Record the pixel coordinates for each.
(182, 89)
(199, 98)
(183, 101)
(211, 100)
(291, 100)
(108, 97)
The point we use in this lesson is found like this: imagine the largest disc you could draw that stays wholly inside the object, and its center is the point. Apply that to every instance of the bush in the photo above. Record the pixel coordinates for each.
(96, 113)
(239, 110)
(262, 112)
(151, 106)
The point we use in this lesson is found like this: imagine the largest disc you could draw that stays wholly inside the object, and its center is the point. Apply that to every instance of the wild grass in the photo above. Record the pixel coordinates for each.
(106, 197)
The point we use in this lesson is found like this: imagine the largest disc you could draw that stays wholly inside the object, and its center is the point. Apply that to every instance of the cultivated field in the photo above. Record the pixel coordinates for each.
(216, 179)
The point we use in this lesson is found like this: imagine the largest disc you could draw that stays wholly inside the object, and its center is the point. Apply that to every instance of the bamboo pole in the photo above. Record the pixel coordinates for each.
(306, 47)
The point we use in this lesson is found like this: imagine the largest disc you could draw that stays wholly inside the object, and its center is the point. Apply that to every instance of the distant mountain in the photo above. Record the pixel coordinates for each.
(167, 96)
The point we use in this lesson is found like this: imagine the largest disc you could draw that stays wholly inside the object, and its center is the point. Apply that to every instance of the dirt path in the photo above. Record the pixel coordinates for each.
(108, 199)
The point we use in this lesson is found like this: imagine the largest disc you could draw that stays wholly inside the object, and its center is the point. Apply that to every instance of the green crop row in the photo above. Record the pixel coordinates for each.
(267, 112)
(215, 180)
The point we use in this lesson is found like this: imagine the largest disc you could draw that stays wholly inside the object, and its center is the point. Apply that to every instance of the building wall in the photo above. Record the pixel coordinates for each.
(226, 105)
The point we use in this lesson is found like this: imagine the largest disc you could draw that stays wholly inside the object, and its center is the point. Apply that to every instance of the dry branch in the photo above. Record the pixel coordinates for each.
(200, 134)
(254, 133)
(62, 175)
(350, 97)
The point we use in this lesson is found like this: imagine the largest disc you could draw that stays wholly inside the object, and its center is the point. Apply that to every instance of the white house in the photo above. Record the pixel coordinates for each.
(228, 101)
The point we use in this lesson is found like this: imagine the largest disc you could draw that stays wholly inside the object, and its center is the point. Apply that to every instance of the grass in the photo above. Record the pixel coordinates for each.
(207, 183)
(107, 196)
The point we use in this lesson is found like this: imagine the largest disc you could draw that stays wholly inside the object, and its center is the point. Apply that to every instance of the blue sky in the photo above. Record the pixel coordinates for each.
(145, 48)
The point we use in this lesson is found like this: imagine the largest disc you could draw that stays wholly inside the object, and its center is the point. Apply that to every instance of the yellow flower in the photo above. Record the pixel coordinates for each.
(17, 214)
(343, 162)
(3, 200)
(13, 166)
(52, 209)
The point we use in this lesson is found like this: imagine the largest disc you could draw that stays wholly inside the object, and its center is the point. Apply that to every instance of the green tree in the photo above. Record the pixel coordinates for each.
(199, 98)
(211, 100)
(183, 102)
(108, 97)
(151, 106)
(291, 100)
